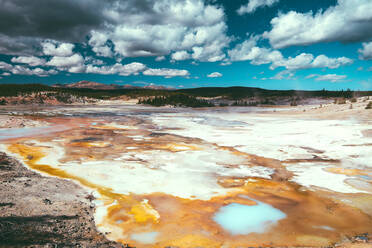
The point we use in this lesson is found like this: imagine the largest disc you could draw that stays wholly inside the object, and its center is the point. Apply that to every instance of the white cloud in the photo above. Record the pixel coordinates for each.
(134, 69)
(348, 21)
(21, 70)
(180, 55)
(5, 74)
(81, 68)
(306, 61)
(252, 5)
(5, 66)
(160, 58)
(302, 61)
(225, 62)
(157, 28)
(98, 42)
(242, 51)
(73, 63)
(286, 74)
(214, 75)
(104, 51)
(93, 61)
(328, 77)
(66, 62)
(119, 29)
(366, 52)
(55, 48)
(30, 60)
(124, 70)
(248, 50)
(265, 56)
(323, 61)
(165, 72)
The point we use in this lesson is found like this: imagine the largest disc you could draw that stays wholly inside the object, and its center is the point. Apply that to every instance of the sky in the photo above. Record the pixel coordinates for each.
(272, 44)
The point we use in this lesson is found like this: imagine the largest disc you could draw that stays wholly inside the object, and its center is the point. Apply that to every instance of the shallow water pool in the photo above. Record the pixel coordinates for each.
(239, 219)
(145, 238)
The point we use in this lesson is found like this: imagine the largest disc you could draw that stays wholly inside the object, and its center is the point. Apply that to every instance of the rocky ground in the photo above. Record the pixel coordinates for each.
(19, 122)
(38, 211)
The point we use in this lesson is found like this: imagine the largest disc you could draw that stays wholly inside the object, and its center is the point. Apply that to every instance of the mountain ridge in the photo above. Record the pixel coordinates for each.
(85, 84)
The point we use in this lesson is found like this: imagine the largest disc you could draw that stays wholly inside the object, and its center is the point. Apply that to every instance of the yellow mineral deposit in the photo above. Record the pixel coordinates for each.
(349, 172)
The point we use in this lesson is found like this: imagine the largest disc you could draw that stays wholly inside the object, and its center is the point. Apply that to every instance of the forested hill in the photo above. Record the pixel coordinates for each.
(227, 92)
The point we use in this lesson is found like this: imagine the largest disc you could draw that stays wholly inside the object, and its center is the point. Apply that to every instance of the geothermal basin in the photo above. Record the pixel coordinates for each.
(231, 177)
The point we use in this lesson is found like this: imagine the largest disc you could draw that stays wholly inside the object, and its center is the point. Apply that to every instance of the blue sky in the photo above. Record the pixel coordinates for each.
(274, 44)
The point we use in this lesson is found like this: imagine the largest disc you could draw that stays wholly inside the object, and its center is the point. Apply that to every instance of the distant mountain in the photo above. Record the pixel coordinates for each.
(94, 85)
(156, 87)
(100, 86)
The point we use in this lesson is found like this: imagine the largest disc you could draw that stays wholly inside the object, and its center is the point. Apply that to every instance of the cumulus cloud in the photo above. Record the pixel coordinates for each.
(306, 61)
(302, 61)
(348, 21)
(243, 51)
(73, 63)
(149, 28)
(100, 44)
(156, 28)
(31, 60)
(323, 61)
(55, 48)
(180, 29)
(66, 62)
(328, 77)
(180, 55)
(365, 53)
(226, 62)
(248, 50)
(5, 66)
(22, 70)
(76, 64)
(124, 70)
(252, 5)
(286, 74)
(160, 58)
(215, 75)
(167, 73)
(134, 68)
(93, 61)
